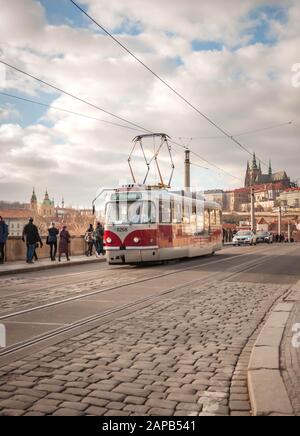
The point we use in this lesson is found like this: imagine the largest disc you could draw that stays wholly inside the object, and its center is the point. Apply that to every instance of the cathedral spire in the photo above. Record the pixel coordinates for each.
(254, 163)
(270, 168)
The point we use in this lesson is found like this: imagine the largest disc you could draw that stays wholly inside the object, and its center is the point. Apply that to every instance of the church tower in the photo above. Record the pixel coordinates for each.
(248, 176)
(47, 207)
(253, 172)
(270, 169)
(33, 202)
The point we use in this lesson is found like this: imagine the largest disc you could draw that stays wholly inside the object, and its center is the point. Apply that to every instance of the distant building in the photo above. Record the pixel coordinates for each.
(254, 175)
(16, 220)
(216, 195)
(236, 198)
(33, 202)
(47, 208)
(290, 197)
(262, 225)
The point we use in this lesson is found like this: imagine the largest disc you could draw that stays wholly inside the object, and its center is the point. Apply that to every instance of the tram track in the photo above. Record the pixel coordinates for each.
(92, 321)
(96, 291)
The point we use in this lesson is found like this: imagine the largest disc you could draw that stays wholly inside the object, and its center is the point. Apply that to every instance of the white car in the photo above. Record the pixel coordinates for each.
(244, 237)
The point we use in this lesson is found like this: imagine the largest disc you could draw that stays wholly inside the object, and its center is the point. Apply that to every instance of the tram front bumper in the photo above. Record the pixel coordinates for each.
(131, 255)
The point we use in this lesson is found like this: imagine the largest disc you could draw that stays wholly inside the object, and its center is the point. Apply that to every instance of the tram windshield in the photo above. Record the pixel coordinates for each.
(137, 212)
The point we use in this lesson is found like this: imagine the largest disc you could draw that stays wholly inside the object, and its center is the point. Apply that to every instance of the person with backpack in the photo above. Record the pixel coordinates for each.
(89, 239)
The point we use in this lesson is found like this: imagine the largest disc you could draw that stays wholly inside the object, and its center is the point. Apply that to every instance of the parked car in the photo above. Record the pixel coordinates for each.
(244, 237)
(264, 237)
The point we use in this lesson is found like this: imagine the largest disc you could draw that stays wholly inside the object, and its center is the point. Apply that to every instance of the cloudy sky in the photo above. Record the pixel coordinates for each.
(233, 60)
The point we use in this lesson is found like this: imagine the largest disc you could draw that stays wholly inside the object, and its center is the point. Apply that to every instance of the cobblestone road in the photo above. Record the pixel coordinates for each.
(31, 294)
(176, 357)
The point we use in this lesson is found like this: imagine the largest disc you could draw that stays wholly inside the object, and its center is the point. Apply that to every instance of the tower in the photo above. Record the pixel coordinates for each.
(33, 202)
(47, 207)
(247, 177)
(270, 168)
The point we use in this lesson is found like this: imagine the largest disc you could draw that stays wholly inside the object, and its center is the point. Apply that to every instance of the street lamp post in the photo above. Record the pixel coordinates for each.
(279, 220)
(280, 211)
(253, 226)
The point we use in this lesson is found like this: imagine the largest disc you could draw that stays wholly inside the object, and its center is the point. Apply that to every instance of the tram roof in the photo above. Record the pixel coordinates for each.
(140, 192)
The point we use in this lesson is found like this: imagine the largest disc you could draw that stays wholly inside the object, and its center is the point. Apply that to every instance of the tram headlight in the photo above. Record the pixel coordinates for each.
(136, 240)
(109, 240)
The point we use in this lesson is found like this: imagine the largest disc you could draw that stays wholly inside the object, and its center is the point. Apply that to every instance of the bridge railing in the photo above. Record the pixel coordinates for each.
(16, 249)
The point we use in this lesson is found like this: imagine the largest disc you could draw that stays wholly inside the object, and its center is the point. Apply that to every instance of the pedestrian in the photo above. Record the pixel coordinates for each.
(281, 237)
(64, 243)
(98, 238)
(89, 239)
(32, 237)
(3, 238)
(52, 241)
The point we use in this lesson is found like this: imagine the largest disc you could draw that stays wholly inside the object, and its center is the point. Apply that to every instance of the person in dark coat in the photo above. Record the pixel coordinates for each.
(32, 237)
(64, 243)
(3, 238)
(98, 238)
(52, 241)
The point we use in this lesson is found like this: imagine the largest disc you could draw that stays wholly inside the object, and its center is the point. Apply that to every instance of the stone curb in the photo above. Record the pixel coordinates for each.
(267, 390)
(34, 268)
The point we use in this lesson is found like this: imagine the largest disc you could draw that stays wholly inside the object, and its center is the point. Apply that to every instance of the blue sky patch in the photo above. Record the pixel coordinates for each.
(198, 45)
(59, 12)
(262, 17)
(29, 112)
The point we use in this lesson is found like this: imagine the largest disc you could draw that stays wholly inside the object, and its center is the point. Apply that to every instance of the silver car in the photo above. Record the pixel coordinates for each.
(244, 237)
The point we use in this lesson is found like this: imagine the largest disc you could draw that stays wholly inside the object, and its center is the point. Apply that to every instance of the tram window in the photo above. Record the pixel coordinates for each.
(213, 218)
(164, 211)
(176, 212)
(207, 223)
(187, 213)
(200, 223)
(138, 212)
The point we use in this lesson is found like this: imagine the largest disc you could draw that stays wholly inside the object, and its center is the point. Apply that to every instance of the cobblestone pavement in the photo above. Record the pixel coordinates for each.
(179, 356)
(290, 361)
(36, 293)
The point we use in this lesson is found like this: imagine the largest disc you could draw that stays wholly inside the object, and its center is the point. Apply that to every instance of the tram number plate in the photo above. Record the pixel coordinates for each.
(122, 229)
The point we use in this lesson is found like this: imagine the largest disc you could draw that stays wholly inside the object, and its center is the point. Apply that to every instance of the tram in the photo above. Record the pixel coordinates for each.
(149, 224)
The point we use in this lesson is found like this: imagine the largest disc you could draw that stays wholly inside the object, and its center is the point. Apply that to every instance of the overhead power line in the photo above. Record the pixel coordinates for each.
(107, 112)
(232, 138)
(73, 96)
(68, 111)
(247, 132)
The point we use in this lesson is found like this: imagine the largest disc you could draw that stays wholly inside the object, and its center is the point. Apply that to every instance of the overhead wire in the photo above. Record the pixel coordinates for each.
(231, 137)
(109, 113)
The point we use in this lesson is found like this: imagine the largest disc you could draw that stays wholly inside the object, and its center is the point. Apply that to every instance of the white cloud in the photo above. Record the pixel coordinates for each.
(244, 89)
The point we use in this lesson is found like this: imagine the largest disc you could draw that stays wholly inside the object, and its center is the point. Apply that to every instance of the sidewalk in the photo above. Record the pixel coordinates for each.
(274, 369)
(44, 264)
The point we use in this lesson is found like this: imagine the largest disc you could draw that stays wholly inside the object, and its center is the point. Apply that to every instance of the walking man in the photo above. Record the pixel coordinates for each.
(32, 237)
(98, 237)
(52, 241)
(3, 238)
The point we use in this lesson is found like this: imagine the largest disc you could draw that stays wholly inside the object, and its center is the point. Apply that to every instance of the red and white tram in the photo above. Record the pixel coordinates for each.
(146, 224)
